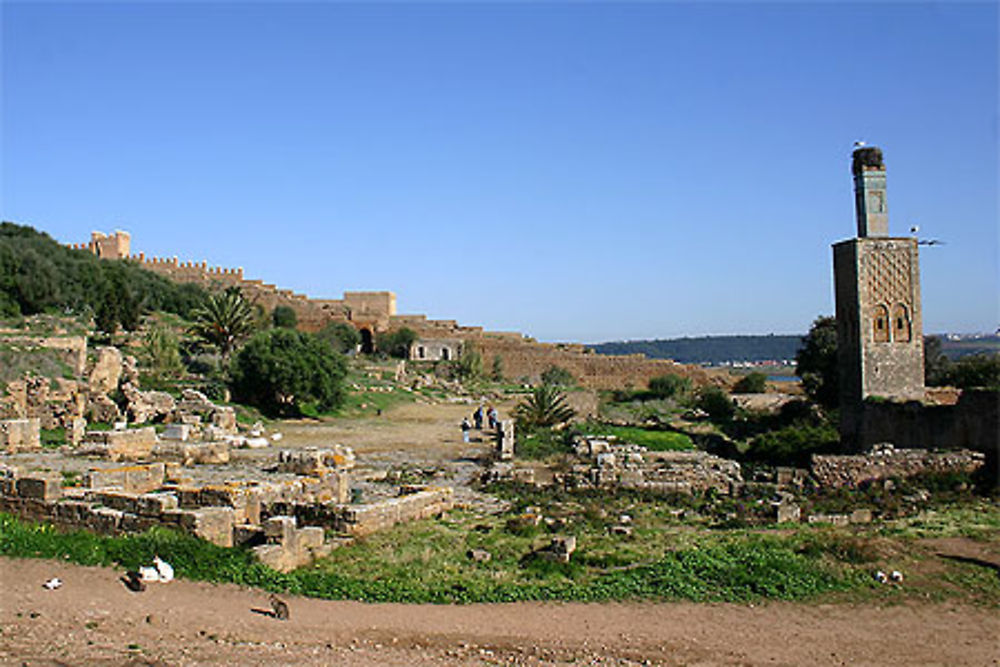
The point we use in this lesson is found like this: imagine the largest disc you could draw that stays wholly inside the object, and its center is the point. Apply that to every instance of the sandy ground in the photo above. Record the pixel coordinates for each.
(94, 620)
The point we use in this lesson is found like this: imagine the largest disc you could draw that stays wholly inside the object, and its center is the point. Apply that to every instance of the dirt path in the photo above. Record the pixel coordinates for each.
(94, 620)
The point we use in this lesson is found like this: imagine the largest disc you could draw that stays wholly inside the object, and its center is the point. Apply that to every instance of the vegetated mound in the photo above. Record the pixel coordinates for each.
(709, 349)
(38, 275)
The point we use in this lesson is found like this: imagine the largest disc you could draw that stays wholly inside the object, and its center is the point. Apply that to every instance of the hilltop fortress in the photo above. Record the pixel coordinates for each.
(375, 312)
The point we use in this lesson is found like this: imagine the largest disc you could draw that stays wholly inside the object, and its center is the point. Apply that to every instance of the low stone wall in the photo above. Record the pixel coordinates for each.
(367, 519)
(20, 435)
(128, 445)
(613, 465)
(887, 462)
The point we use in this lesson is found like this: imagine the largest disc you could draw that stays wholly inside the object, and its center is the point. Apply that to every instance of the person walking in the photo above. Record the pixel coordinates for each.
(465, 429)
(477, 416)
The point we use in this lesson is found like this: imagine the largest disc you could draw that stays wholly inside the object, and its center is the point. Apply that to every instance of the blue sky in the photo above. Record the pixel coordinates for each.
(573, 171)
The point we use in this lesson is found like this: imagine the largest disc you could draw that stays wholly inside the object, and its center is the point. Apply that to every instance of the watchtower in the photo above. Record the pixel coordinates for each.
(877, 286)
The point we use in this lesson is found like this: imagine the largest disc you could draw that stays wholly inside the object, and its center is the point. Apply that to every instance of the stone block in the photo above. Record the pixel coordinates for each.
(276, 557)
(127, 445)
(20, 435)
(214, 524)
(246, 534)
(310, 537)
(134, 479)
(73, 512)
(41, 487)
(788, 513)
(192, 453)
(105, 520)
(180, 432)
(861, 516)
(280, 530)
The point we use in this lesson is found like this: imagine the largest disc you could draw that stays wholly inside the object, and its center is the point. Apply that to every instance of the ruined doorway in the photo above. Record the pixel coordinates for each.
(367, 341)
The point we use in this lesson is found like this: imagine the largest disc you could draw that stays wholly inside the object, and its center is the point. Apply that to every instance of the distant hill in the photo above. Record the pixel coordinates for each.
(710, 349)
(715, 350)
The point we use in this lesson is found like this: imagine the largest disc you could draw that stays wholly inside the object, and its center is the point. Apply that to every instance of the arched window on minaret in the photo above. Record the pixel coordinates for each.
(880, 324)
(901, 330)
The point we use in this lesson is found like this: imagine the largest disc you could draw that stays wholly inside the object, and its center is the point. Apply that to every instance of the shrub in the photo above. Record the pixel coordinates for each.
(558, 376)
(280, 370)
(341, 337)
(284, 317)
(669, 386)
(470, 365)
(716, 403)
(752, 383)
(396, 343)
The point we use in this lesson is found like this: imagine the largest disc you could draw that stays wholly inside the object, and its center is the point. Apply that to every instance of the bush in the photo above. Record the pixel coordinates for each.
(343, 338)
(284, 317)
(752, 383)
(396, 343)
(558, 376)
(280, 370)
(793, 445)
(669, 386)
(716, 403)
(470, 365)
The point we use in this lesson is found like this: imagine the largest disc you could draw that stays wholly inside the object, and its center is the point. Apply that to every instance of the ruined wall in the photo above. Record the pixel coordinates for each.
(376, 311)
(528, 359)
(973, 423)
(886, 463)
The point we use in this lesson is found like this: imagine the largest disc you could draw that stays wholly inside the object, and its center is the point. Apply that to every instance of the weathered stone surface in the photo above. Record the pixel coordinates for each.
(887, 462)
(131, 444)
(788, 512)
(505, 440)
(214, 524)
(20, 435)
(40, 486)
(280, 529)
(133, 479)
(147, 406)
(192, 453)
(315, 462)
(102, 409)
(106, 371)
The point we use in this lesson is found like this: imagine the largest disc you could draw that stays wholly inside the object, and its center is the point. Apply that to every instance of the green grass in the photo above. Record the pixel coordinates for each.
(665, 558)
(656, 441)
(425, 562)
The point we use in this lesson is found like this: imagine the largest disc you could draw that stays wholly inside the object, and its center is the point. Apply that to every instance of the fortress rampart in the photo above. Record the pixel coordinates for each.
(374, 312)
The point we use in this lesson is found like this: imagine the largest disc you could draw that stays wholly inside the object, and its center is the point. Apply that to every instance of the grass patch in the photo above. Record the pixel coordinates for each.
(653, 440)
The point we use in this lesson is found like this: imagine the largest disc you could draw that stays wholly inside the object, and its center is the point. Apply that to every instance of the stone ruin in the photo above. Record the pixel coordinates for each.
(285, 521)
(884, 461)
(610, 464)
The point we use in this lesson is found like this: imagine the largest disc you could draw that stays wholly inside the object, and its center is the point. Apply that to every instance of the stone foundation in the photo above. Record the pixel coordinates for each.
(886, 462)
(20, 435)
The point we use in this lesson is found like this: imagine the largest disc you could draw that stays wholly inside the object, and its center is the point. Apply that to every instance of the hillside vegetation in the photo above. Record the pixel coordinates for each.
(40, 275)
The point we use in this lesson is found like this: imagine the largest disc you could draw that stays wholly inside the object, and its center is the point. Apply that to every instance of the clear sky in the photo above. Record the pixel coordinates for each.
(574, 171)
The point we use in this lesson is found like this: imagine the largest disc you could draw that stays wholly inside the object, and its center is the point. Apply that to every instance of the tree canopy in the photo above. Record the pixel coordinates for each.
(280, 370)
(816, 362)
(40, 275)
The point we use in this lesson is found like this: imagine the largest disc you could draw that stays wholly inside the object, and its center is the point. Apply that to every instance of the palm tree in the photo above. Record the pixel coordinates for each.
(546, 406)
(224, 320)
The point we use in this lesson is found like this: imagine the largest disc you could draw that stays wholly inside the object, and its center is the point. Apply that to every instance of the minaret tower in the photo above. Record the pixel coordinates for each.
(877, 283)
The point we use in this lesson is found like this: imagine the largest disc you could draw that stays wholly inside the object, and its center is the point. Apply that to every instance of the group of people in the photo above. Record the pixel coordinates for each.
(491, 415)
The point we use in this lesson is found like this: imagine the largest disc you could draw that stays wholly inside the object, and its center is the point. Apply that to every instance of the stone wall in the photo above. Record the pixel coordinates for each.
(376, 312)
(887, 462)
(19, 435)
